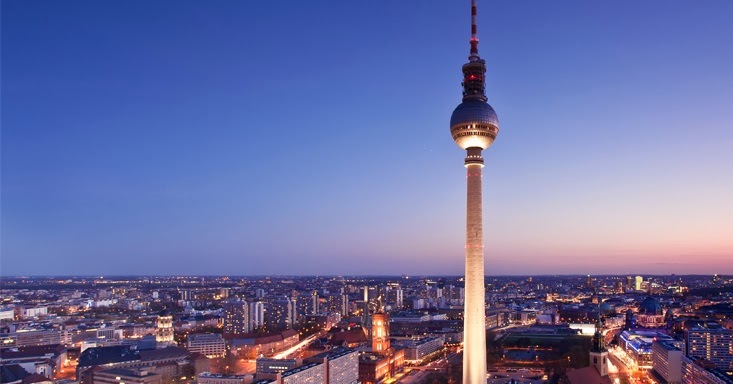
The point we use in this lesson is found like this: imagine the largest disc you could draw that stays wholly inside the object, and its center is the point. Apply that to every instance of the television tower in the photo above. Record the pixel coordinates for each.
(474, 126)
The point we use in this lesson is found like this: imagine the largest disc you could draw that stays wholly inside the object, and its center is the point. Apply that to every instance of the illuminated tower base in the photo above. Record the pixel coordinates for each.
(474, 323)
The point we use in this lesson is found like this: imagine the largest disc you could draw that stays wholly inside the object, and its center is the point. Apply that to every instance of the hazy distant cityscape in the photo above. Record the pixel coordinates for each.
(242, 192)
(230, 329)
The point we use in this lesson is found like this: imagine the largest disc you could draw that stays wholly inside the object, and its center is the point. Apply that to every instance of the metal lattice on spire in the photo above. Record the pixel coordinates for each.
(474, 28)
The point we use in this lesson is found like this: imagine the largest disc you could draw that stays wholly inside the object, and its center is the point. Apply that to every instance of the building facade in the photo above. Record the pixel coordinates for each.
(712, 342)
(164, 329)
(667, 361)
(237, 318)
(126, 376)
(698, 371)
(211, 345)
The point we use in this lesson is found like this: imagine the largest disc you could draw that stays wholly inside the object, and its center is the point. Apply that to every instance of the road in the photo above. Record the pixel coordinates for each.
(304, 343)
(621, 371)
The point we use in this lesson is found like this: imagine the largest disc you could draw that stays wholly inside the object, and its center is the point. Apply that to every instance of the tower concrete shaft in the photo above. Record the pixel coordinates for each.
(474, 316)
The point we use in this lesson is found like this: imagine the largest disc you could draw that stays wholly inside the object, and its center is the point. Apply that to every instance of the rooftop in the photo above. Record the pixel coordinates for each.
(222, 376)
(127, 372)
(299, 369)
(107, 355)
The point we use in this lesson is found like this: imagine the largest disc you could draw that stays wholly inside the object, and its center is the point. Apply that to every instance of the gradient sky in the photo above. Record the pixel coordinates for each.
(311, 137)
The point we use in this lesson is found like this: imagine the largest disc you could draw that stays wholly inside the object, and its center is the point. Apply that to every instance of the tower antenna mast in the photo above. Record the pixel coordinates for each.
(474, 39)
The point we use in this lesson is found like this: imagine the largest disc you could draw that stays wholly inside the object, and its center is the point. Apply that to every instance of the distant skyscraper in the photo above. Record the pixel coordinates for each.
(344, 303)
(314, 303)
(474, 127)
(637, 283)
(292, 313)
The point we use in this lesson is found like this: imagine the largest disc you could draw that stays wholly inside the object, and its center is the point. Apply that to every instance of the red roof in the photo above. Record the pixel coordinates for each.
(587, 375)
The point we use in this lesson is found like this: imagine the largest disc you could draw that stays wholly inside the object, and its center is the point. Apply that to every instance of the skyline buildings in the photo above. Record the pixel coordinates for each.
(149, 147)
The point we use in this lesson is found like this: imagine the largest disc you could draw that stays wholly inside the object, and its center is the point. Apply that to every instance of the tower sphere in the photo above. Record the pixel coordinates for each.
(474, 124)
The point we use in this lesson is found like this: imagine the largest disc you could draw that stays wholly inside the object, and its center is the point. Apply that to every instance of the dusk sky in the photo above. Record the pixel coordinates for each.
(312, 137)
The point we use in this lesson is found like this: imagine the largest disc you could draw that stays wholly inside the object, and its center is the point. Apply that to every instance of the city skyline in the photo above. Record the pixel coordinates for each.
(178, 138)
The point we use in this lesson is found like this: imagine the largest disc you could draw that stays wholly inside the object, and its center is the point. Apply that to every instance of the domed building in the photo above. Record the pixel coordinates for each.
(650, 314)
(607, 308)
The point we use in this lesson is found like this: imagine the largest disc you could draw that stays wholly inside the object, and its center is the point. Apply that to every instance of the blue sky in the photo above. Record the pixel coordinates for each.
(230, 137)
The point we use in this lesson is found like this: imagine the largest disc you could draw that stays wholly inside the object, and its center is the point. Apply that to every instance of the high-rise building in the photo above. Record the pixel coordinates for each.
(638, 281)
(257, 314)
(314, 303)
(711, 342)
(666, 360)
(292, 313)
(701, 371)
(237, 318)
(341, 365)
(344, 303)
(474, 126)
(279, 313)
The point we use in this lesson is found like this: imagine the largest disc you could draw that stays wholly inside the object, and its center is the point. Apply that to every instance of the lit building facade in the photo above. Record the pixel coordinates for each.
(312, 373)
(237, 318)
(712, 342)
(257, 314)
(164, 330)
(667, 361)
(417, 350)
(380, 332)
(638, 345)
(375, 368)
(338, 366)
(273, 366)
(650, 314)
(211, 345)
(217, 378)
(698, 371)
(123, 375)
